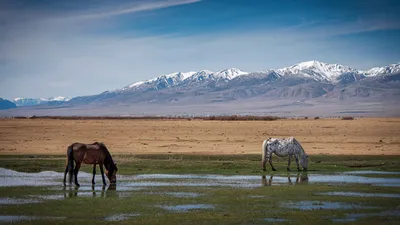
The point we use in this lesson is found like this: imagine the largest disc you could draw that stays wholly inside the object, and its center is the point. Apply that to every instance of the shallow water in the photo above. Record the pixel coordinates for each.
(275, 220)
(10, 178)
(183, 194)
(187, 199)
(360, 194)
(120, 217)
(351, 217)
(312, 205)
(12, 218)
(371, 172)
(17, 201)
(186, 208)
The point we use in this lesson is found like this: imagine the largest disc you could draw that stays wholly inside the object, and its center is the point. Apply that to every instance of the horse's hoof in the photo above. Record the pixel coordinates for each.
(76, 184)
(273, 169)
(288, 169)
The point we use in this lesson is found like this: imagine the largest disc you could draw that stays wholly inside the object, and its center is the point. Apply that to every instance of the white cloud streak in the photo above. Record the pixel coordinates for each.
(126, 9)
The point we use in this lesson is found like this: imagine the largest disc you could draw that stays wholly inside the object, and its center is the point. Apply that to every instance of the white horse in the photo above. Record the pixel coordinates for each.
(283, 147)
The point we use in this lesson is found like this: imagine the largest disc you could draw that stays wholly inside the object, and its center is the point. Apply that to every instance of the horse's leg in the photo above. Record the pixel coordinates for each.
(65, 174)
(297, 162)
(94, 173)
(76, 170)
(102, 174)
(288, 165)
(70, 170)
(263, 164)
(270, 163)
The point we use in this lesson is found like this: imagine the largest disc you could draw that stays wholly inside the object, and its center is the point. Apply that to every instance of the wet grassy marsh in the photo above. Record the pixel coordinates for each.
(191, 189)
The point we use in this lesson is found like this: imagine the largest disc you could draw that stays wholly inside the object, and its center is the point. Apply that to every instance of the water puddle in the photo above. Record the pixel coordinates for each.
(362, 172)
(353, 179)
(11, 219)
(186, 208)
(351, 217)
(275, 220)
(10, 178)
(313, 205)
(17, 201)
(360, 194)
(183, 194)
(121, 217)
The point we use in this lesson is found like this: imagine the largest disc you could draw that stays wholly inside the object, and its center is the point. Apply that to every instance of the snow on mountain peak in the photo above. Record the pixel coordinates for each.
(392, 68)
(317, 70)
(58, 98)
(230, 73)
(37, 101)
(179, 76)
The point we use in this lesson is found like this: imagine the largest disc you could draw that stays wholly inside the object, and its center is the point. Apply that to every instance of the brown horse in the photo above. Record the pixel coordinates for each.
(96, 153)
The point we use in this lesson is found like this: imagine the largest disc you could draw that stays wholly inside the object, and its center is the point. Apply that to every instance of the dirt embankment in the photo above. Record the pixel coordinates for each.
(366, 136)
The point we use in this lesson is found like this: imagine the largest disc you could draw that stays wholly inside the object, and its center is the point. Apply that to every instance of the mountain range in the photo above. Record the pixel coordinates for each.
(39, 101)
(307, 84)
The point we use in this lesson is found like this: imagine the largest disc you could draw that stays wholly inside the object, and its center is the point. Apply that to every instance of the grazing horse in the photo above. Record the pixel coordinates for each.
(96, 153)
(283, 147)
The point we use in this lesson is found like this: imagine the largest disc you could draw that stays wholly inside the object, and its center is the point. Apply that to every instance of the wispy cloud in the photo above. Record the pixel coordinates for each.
(128, 9)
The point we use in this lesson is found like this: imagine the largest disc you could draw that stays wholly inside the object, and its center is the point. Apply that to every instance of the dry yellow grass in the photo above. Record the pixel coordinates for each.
(366, 136)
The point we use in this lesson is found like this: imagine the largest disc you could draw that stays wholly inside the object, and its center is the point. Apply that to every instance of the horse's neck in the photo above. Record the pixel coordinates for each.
(108, 161)
(300, 152)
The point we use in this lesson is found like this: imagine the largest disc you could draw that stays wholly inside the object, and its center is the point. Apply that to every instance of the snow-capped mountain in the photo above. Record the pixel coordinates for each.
(306, 80)
(393, 68)
(38, 101)
(230, 73)
(316, 70)
(179, 78)
(333, 74)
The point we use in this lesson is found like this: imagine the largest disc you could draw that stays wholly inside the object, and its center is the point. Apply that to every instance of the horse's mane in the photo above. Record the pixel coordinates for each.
(108, 159)
(302, 152)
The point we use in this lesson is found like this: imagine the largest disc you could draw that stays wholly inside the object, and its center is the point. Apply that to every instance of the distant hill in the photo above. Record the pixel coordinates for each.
(5, 104)
(309, 88)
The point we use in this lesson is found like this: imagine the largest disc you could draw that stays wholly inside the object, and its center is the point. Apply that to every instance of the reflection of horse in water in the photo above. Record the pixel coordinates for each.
(73, 191)
(300, 179)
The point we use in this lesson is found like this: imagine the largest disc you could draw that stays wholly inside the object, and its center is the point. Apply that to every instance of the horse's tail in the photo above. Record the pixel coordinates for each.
(70, 161)
(263, 153)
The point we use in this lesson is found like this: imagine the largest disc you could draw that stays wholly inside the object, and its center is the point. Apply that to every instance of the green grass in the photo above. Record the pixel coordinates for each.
(231, 205)
(204, 164)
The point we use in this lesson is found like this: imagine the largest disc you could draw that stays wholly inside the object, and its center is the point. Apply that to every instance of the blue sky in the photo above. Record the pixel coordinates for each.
(71, 48)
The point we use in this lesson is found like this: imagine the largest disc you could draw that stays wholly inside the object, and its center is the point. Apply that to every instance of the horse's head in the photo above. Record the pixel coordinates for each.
(304, 161)
(112, 173)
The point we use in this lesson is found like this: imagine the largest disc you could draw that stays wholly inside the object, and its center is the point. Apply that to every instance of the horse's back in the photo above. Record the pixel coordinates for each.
(88, 153)
(282, 146)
